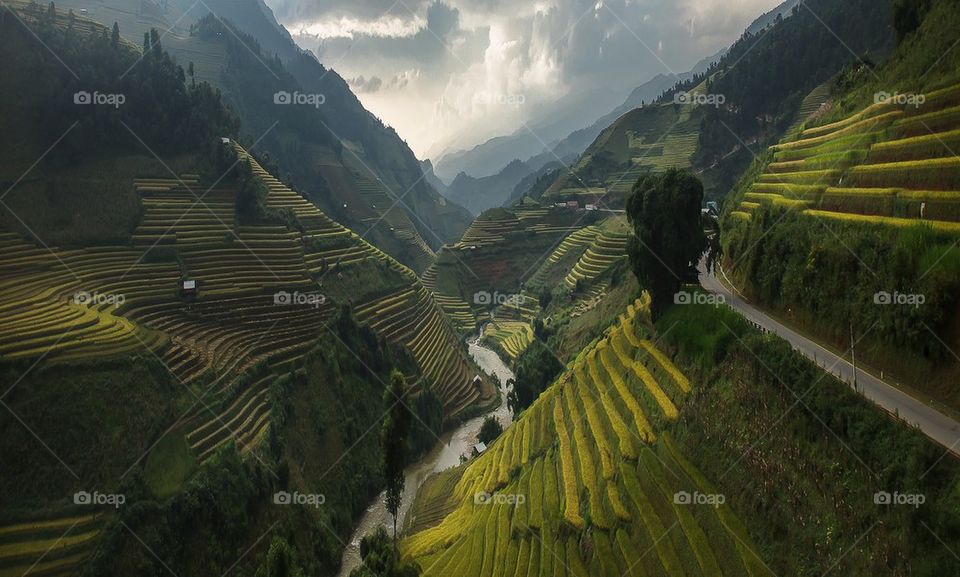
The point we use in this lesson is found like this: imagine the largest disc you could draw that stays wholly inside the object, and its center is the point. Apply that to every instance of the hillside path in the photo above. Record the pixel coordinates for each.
(936, 425)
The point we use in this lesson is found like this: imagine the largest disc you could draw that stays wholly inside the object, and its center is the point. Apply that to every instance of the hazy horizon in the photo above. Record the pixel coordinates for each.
(451, 74)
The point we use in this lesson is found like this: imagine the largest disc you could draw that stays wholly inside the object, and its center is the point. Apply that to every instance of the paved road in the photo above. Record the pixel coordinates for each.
(933, 423)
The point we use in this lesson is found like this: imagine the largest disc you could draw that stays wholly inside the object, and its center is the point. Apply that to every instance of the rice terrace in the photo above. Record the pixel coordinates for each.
(446, 288)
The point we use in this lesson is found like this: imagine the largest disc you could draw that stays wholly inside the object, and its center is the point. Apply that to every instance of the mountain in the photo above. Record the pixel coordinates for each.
(190, 334)
(574, 143)
(762, 81)
(427, 167)
(533, 143)
(479, 194)
(844, 226)
(535, 183)
(487, 158)
(336, 152)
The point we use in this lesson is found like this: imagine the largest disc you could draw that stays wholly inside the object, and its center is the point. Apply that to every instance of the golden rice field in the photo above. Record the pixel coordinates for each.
(889, 164)
(586, 482)
(510, 337)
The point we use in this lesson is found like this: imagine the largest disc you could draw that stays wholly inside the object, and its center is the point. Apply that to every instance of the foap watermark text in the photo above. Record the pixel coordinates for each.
(299, 98)
(298, 298)
(698, 298)
(99, 98)
(483, 498)
(114, 500)
(698, 498)
(899, 298)
(297, 498)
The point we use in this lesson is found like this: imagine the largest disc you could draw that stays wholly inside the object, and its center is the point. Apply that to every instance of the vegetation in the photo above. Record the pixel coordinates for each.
(381, 559)
(795, 261)
(886, 224)
(535, 369)
(307, 143)
(393, 439)
(668, 237)
(489, 430)
(801, 457)
(767, 73)
(154, 91)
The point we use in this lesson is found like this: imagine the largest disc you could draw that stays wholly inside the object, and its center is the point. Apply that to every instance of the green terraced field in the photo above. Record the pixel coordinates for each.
(585, 483)
(888, 164)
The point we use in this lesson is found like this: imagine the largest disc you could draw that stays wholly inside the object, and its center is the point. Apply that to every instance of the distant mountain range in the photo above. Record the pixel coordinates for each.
(486, 169)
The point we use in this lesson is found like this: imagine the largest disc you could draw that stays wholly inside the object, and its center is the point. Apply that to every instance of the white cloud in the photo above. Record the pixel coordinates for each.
(435, 58)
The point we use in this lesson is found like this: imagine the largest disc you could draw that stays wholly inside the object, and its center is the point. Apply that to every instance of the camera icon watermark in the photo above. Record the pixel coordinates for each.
(94, 299)
(284, 298)
(99, 98)
(698, 498)
(699, 99)
(315, 500)
(299, 98)
(698, 298)
(486, 298)
(903, 99)
(510, 499)
(885, 298)
(115, 500)
(896, 498)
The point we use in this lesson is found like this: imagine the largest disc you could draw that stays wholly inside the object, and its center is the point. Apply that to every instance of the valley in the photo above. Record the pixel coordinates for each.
(245, 330)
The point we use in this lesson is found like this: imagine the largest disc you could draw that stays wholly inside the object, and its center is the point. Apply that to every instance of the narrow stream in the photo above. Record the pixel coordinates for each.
(444, 455)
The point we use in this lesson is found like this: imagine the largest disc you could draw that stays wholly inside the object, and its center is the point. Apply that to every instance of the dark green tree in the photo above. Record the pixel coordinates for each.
(281, 561)
(536, 368)
(393, 439)
(546, 297)
(115, 35)
(668, 238)
(489, 430)
(907, 16)
(382, 560)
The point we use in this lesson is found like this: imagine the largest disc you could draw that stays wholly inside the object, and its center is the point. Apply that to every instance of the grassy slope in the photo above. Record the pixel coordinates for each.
(98, 418)
(803, 476)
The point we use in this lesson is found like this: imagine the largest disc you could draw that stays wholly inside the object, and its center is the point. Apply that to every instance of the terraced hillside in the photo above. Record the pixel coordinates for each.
(457, 309)
(502, 249)
(606, 249)
(412, 318)
(648, 139)
(265, 293)
(510, 331)
(382, 179)
(890, 163)
(408, 315)
(586, 482)
(48, 547)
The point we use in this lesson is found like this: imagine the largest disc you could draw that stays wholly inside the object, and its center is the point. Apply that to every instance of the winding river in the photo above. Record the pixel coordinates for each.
(444, 455)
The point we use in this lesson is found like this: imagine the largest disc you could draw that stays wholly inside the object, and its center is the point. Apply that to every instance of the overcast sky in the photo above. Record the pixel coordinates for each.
(463, 71)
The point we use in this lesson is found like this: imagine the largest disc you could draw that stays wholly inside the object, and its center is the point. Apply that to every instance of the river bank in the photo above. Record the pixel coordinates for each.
(444, 455)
